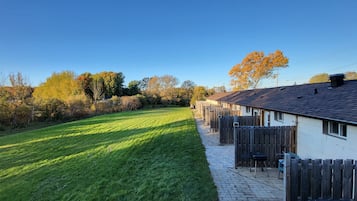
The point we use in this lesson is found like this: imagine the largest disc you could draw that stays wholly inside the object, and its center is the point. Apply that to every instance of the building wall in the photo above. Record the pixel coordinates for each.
(213, 102)
(312, 143)
(244, 112)
(288, 119)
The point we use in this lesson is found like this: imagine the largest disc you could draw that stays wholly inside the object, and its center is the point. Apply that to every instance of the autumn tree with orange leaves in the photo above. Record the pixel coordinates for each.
(255, 67)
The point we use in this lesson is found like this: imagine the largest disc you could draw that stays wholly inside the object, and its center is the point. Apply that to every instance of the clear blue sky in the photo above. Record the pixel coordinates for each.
(192, 40)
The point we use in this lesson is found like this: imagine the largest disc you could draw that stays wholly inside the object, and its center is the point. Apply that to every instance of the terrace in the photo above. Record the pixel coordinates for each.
(237, 183)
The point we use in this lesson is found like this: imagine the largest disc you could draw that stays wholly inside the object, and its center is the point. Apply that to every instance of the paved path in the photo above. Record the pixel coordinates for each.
(237, 184)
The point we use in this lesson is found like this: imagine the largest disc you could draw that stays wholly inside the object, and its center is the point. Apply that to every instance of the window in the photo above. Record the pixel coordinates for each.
(334, 128)
(278, 116)
(247, 109)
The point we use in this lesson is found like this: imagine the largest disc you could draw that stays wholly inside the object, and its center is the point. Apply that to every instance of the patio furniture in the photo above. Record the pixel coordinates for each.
(281, 162)
(259, 157)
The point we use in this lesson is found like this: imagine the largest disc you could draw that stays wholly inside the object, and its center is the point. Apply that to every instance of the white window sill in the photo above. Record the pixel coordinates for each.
(336, 136)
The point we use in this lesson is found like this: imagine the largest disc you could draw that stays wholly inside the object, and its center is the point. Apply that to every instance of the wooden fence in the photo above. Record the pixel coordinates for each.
(200, 108)
(226, 128)
(320, 179)
(216, 115)
(211, 113)
(271, 141)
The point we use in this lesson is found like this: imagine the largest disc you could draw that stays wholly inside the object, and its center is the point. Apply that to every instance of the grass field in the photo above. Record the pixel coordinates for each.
(140, 155)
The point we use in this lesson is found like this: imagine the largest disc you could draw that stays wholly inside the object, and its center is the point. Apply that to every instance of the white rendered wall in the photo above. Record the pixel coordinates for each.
(312, 143)
(288, 119)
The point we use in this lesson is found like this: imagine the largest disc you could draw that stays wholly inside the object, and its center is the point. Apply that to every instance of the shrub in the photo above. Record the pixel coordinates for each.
(5, 113)
(143, 99)
(130, 103)
(52, 109)
(115, 103)
(103, 106)
(21, 116)
(77, 107)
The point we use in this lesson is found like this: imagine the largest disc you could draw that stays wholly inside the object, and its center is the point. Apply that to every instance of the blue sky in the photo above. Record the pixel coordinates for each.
(192, 40)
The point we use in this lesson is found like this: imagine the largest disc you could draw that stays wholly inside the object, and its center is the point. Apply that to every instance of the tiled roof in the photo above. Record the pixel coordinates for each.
(312, 100)
(218, 96)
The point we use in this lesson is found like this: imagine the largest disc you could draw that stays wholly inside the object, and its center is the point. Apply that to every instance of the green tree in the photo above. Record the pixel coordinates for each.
(113, 83)
(143, 85)
(61, 96)
(199, 94)
(133, 88)
(322, 77)
(254, 67)
(85, 81)
(61, 86)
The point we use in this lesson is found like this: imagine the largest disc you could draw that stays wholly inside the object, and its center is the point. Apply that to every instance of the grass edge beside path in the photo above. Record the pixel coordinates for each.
(153, 154)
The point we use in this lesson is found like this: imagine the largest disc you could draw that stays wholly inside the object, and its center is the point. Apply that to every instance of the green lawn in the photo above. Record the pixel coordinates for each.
(141, 155)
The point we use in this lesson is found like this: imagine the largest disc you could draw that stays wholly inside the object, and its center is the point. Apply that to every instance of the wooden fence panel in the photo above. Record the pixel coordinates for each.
(337, 180)
(304, 180)
(226, 129)
(316, 179)
(347, 179)
(326, 178)
(211, 113)
(319, 179)
(267, 140)
(243, 147)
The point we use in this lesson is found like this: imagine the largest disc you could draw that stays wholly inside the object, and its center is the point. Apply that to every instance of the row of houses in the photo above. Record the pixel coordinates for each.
(325, 114)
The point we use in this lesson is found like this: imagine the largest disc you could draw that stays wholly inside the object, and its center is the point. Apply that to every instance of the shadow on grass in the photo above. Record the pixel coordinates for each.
(128, 165)
(60, 145)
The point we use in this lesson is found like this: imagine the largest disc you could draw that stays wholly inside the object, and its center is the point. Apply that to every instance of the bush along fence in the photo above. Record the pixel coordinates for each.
(270, 141)
(320, 179)
(226, 128)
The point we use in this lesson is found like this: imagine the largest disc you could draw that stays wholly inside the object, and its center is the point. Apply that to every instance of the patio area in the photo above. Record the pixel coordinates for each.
(241, 183)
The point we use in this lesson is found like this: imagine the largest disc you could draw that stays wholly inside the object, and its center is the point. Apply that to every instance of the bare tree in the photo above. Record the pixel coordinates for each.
(20, 87)
(97, 87)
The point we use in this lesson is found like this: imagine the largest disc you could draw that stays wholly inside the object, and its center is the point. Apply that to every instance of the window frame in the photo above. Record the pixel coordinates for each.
(248, 109)
(278, 116)
(334, 128)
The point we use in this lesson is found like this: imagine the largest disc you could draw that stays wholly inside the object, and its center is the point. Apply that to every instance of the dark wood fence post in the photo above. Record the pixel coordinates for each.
(251, 139)
(236, 143)
(355, 182)
(305, 179)
(316, 179)
(337, 179)
(326, 178)
(347, 179)
(220, 128)
(289, 186)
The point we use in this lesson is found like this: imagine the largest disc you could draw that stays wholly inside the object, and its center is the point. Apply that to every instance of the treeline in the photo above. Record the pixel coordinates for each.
(325, 77)
(65, 96)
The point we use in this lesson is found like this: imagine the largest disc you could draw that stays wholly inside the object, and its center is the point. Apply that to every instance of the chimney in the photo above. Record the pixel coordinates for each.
(336, 80)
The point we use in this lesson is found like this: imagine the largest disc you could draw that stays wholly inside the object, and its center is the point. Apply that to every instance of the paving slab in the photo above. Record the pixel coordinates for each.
(239, 184)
